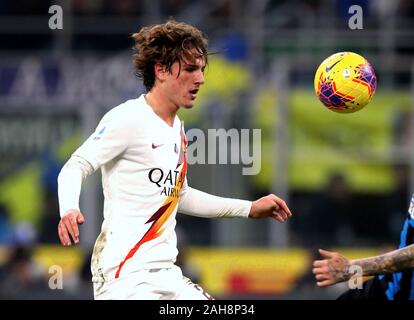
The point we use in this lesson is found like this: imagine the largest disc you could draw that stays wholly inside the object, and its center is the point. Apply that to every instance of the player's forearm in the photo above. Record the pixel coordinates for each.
(394, 261)
(201, 204)
(70, 179)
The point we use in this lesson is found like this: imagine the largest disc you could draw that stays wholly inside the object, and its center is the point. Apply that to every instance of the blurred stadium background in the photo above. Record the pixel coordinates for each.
(347, 178)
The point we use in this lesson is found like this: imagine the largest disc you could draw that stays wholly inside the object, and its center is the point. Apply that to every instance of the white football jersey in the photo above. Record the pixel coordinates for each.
(144, 166)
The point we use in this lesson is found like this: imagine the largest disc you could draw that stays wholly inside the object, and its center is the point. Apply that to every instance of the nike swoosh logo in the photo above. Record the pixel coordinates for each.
(330, 68)
(155, 146)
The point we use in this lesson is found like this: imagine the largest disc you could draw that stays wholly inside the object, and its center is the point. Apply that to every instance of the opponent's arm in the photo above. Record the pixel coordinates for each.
(394, 261)
(336, 268)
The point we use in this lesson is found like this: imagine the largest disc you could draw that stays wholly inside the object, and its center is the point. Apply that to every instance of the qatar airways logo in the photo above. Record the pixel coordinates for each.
(166, 180)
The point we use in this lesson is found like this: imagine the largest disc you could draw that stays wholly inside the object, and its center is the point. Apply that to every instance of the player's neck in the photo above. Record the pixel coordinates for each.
(161, 107)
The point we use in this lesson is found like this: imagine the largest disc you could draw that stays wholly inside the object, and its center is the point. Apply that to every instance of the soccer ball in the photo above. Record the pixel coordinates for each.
(345, 82)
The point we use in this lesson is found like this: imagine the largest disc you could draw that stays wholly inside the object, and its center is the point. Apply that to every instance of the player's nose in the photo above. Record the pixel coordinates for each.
(200, 78)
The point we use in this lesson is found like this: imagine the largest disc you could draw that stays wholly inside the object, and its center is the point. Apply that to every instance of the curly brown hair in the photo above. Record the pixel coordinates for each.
(166, 44)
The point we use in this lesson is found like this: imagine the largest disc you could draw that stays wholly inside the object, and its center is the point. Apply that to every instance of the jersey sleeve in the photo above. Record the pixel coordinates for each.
(110, 139)
(70, 179)
(201, 204)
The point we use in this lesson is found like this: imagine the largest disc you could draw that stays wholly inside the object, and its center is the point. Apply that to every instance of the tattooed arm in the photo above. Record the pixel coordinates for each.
(394, 261)
(336, 268)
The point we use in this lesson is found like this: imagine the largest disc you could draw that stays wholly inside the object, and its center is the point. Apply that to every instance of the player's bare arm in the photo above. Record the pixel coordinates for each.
(68, 229)
(394, 261)
(335, 267)
(270, 206)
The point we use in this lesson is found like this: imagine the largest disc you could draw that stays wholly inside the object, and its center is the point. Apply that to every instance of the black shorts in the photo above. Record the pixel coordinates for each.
(373, 289)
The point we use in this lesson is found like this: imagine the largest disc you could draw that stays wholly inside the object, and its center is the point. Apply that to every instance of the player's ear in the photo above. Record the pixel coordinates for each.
(160, 71)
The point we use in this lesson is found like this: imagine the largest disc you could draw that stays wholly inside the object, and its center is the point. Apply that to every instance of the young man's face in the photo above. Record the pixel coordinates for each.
(182, 85)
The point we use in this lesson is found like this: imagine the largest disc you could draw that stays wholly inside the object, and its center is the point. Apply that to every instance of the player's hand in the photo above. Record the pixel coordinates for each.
(334, 269)
(68, 227)
(270, 206)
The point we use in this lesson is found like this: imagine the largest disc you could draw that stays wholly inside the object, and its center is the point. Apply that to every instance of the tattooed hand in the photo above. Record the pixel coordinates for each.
(334, 269)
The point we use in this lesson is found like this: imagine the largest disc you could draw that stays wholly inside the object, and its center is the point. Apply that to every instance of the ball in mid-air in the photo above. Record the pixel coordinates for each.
(345, 82)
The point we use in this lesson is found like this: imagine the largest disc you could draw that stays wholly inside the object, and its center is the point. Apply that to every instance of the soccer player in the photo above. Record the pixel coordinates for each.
(140, 147)
(393, 271)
